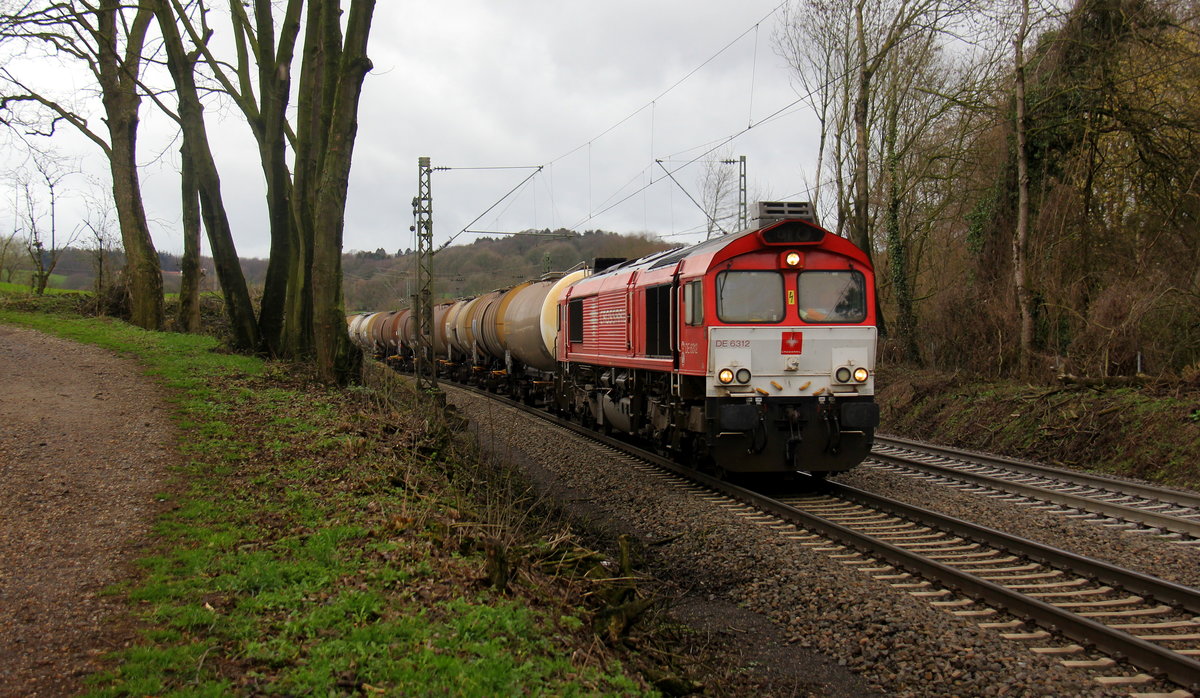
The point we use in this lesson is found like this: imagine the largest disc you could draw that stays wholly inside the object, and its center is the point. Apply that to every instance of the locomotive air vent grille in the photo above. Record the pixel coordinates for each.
(768, 212)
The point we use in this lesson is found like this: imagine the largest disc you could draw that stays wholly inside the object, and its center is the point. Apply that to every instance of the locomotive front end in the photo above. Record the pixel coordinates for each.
(791, 399)
(791, 354)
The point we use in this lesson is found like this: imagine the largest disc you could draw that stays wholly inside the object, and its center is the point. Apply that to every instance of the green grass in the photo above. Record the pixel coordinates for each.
(287, 564)
(23, 289)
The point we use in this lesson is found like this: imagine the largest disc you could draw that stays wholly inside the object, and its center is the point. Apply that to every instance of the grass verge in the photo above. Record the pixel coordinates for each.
(328, 542)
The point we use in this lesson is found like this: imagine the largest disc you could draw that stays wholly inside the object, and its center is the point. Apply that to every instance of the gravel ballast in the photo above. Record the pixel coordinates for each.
(898, 644)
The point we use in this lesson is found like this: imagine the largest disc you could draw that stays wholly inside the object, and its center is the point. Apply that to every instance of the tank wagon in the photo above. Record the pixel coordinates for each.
(751, 352)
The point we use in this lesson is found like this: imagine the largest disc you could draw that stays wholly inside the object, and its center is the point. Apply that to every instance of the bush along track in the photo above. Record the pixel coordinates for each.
(333, 542)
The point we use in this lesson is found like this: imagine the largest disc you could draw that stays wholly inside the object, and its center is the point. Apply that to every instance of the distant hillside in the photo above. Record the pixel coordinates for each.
(377, 280)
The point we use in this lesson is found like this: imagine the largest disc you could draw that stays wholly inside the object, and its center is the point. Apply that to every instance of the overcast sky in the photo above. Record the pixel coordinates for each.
(584, 89)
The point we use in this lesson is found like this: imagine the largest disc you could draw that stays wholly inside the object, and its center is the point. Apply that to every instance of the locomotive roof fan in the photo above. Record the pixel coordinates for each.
(768, 212)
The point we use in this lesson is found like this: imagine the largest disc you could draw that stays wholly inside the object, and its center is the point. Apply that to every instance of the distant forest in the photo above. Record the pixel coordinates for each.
(380, 279)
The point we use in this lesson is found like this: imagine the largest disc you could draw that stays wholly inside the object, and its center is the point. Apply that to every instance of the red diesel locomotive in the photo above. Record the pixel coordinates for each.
(751, 352)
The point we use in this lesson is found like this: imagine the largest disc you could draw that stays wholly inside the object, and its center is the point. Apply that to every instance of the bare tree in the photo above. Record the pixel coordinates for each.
(303, 293)
(107, 39)
(49, 173)
(264, 58)
(203, 179)
(98, 222)
(1020, 246)
(873, 74)
(814, 39)
(11, 247)
(189, 287)
(719, 194)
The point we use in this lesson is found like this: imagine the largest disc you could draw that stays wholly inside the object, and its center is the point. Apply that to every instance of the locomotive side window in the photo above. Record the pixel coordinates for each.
(575, 321)
(658, 320)
(750, 296)
(833, 296)
(693, 303)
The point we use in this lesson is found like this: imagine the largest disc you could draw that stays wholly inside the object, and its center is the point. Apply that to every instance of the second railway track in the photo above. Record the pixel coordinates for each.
(1109, 500)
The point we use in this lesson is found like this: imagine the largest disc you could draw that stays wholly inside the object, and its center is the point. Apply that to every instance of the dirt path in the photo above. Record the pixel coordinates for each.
(85, 439)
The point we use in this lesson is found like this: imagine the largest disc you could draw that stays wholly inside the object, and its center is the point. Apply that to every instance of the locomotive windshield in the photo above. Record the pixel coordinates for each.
(832, 296)
(750, 296)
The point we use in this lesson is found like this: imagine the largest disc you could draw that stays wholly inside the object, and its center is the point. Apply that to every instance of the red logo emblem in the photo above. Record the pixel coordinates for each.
(793, 343)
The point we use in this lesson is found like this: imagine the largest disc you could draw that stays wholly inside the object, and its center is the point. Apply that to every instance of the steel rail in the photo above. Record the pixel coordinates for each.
(1179, 595)
(1146, 655)
(1183, 499)
(1120, 511)
(1151, 657)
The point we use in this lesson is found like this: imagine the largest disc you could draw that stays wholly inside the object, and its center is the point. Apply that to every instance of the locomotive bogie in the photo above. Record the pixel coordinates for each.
(810, 434)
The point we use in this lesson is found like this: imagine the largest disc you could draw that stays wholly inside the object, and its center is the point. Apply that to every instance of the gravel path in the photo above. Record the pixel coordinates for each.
(85, 440)
(896, 643)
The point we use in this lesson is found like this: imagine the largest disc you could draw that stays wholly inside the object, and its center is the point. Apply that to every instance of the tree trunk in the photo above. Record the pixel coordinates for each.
(336, 360)
(897, 257)
(119, 89)
(860, 233)
(195, 139)
(275, 87)
(314, 105)
(1021, 237)
(189, 288)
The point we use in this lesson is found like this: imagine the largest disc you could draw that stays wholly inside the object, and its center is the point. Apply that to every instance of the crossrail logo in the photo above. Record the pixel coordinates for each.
(792, 343)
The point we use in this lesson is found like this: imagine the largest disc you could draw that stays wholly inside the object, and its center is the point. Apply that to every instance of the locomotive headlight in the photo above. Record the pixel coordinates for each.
(725, 375)
(842, 375)
(860, 374)
(792, 258)
(743, 375)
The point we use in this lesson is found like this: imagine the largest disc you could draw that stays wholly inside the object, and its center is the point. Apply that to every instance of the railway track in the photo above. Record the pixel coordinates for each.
(974, 571)
(1105, 500)
(1106, 614)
